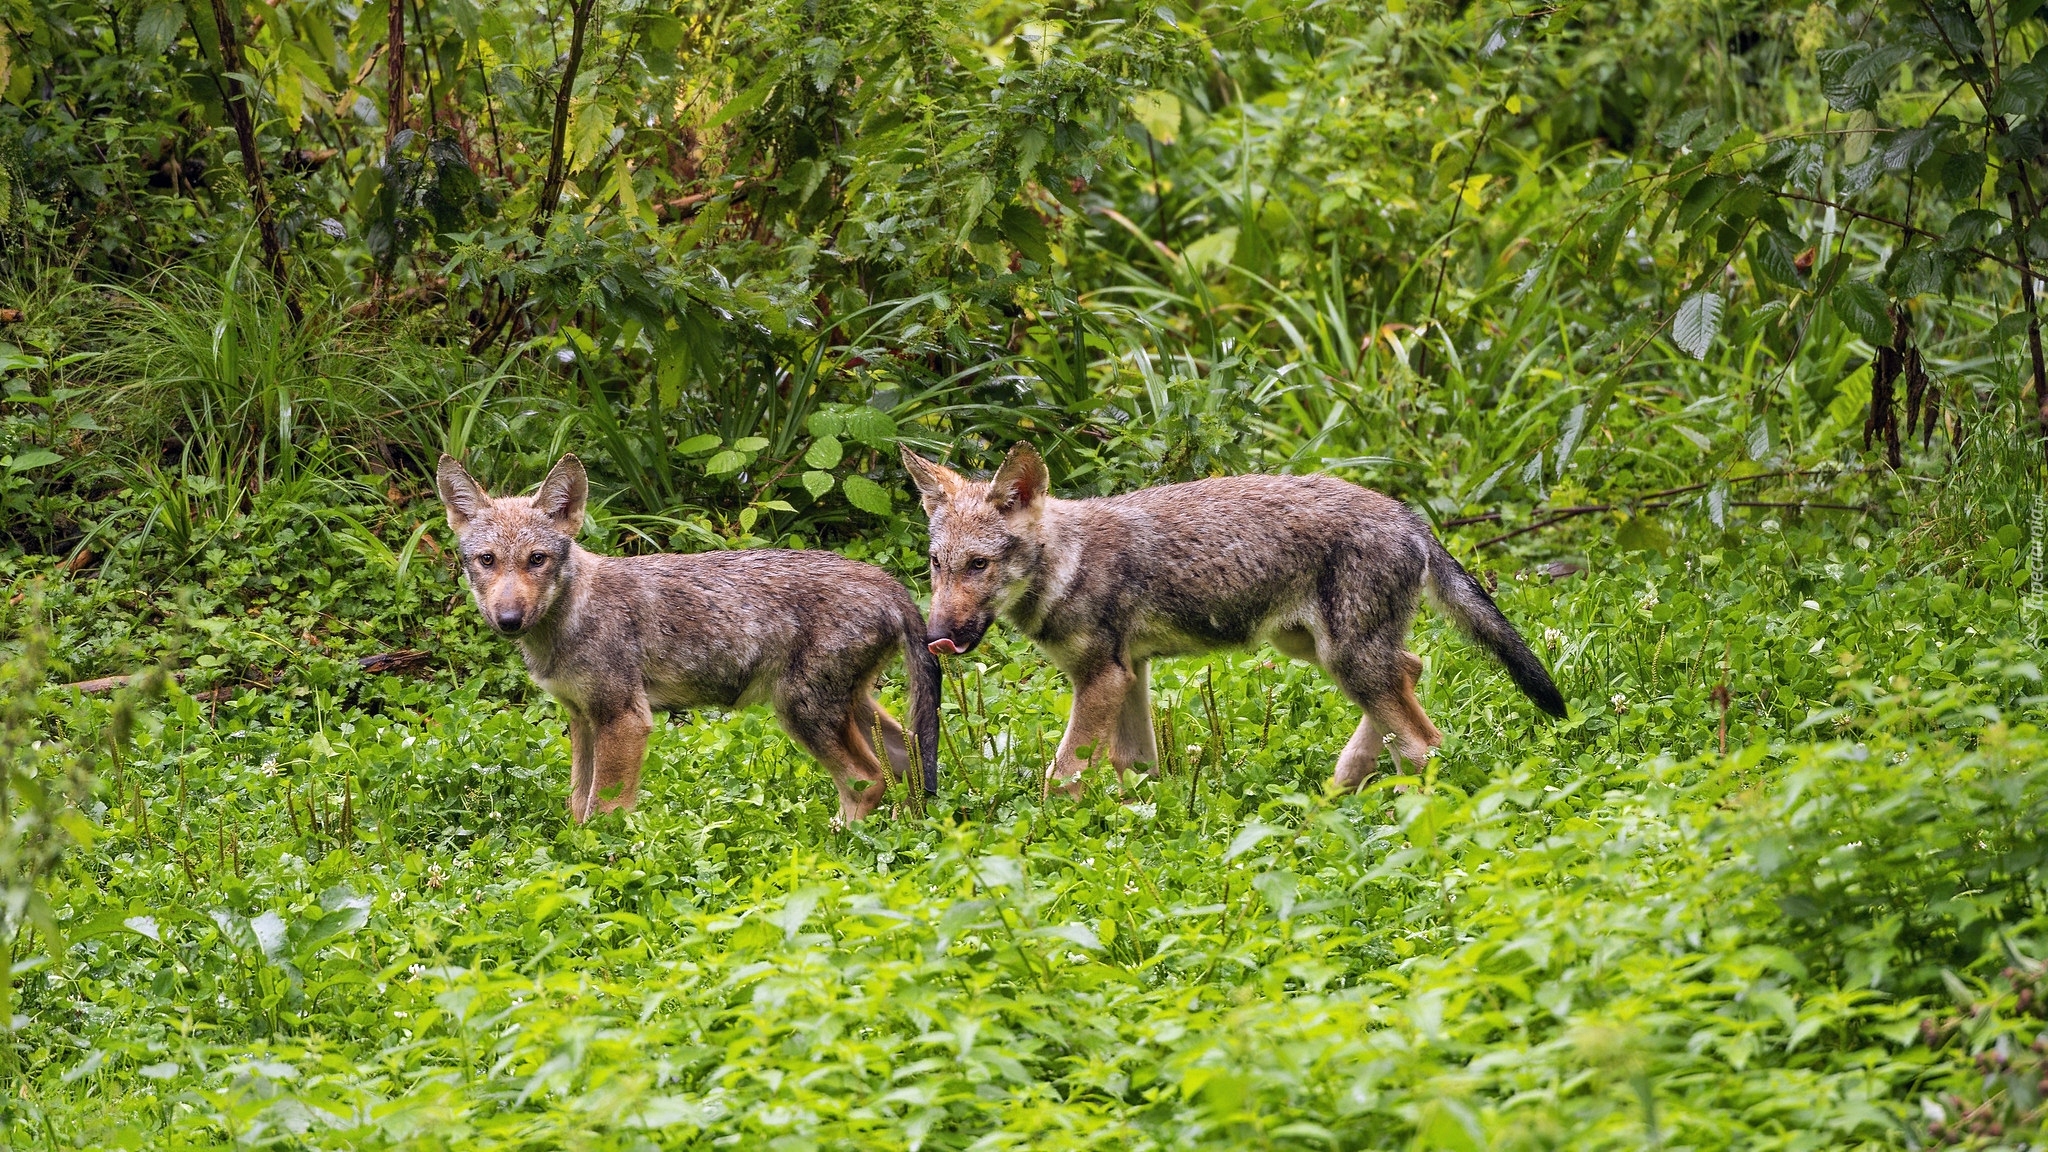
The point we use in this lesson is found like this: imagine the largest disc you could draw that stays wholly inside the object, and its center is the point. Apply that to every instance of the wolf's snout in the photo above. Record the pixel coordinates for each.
(509, 619)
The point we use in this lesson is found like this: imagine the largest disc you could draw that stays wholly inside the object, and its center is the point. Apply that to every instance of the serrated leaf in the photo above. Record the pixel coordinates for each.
(156, 28)
(1697, 323)
(867, 495)
(825, 452)
(1844, 94)
(1861, 307)
(2022, 93)
(1704, 194)
(870, 426)
(1772, 254)
(824, 423)
(817, 483)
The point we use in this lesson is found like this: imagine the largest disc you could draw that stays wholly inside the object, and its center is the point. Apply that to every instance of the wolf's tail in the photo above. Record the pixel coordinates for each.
(922, 670)
(1466, 602)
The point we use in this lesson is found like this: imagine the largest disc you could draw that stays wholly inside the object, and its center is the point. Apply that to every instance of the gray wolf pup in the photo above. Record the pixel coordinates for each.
(1323, 570)
(615, 637)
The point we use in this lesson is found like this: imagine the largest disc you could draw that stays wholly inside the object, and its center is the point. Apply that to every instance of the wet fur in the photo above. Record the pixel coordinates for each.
(1324, 570)
(614, 638)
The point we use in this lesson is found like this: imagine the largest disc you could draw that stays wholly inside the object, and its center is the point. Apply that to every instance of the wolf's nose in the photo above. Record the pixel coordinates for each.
(508, 620)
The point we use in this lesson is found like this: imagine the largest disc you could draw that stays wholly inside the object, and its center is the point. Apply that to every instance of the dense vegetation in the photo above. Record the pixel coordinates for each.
(1706, 332)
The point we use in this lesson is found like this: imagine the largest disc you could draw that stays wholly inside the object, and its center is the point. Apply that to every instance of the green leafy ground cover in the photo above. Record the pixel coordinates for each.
(1622, 297)
(350, 912)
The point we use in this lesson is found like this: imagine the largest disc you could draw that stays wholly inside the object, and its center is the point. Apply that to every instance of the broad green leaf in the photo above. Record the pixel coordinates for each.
(1158, 112)
(825, 452)
(870, 426)
(724, 462)
(1025, 232)
(1697, 323)
(867, 495)
(750, 444)
(1862, 308)
(156, 27)
(1772, 254)
(702, 442)
(825, 422)
(817, 483)
(33, 458)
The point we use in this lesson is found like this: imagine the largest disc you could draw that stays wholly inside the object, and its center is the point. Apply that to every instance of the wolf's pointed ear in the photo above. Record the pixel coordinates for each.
(563, 495)
(461, 495)
(1020, 484)
(936, 483)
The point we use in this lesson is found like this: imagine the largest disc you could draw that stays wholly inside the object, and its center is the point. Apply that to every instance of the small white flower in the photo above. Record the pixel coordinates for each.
(1620, 703)
(415, 970)
(1553, 636)
(1810, 605)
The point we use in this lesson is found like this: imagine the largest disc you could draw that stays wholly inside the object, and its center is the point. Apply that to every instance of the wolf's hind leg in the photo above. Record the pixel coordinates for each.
(1380, 678)
(1360, 756)
(832, 728)
(621, 746)
(1135, 741)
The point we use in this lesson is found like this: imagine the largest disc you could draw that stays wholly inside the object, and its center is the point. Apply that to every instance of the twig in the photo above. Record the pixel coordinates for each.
(399, 660)
(1564, 514)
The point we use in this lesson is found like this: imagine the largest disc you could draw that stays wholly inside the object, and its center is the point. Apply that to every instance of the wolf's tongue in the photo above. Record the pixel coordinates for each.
(944, 647)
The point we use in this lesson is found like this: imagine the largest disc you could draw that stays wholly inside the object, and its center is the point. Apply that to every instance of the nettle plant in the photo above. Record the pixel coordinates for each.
(1924, 169)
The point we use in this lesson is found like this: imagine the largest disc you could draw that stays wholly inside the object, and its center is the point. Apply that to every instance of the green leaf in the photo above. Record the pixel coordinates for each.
(1697, 323)
(724, 462)
(1641, 534)
(825, 423)
(1026, 232)
(33, 458)
(2022, 93)
(870, 426)
(817, 483)
(750, 444)
(1843, 93)
(825, 452)
(156, 28)
(700, 443)
(1704, 194)
(1861, 308)
(746, 101)
(867, 495)
(1772, 254)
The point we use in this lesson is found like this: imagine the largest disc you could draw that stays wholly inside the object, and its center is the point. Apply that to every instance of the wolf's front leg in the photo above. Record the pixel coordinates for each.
(1135, 742)
(582, 747)
(1098, 703)
(621, 745)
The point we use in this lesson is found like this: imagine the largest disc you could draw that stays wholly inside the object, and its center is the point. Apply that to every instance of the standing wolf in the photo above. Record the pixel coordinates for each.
(1324, 570)
(614, 637)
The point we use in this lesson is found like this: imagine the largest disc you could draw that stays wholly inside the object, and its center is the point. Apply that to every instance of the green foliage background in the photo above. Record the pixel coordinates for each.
(1617, 295)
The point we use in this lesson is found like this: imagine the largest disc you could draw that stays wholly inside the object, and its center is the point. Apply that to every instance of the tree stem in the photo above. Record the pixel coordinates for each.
(244, 120)
(558, 160)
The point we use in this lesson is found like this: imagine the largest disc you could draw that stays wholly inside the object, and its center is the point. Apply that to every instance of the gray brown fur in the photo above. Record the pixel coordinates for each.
(1324, 570)
(616, 637)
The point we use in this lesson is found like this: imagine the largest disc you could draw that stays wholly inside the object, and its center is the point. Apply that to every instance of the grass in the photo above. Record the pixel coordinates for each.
(348, 911)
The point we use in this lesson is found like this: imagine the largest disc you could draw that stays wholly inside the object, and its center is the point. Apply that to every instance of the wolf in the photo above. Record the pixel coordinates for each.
(615, 637)
(1323, 570)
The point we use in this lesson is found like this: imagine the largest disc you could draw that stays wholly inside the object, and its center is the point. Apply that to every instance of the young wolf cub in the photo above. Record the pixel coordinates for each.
(615, 637)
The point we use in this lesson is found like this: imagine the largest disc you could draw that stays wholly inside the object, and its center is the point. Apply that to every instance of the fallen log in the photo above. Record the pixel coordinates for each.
(400, 660)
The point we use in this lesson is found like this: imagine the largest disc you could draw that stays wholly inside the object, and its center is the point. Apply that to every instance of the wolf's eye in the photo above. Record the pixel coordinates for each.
(978, 564)
(485, 559)
(536, 560)
(935, 562)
